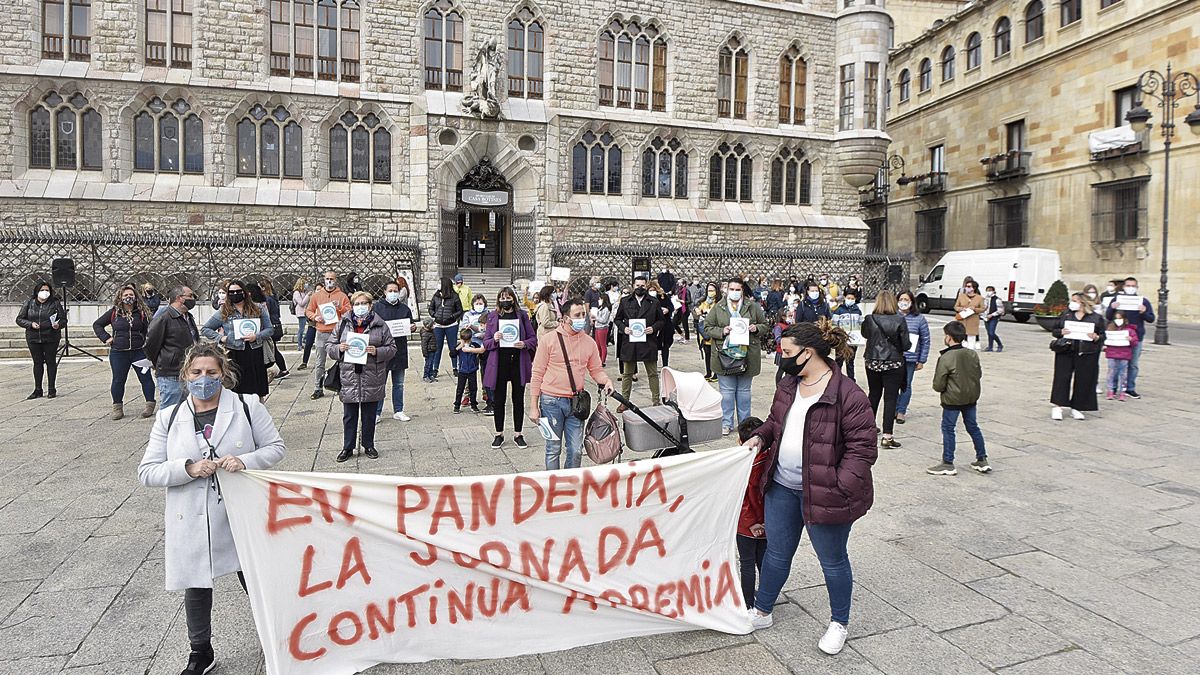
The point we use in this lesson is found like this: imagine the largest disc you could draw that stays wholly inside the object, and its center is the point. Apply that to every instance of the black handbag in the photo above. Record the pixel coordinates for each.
(333, 377)
(581, 400)
(1062, 346)
(730, 365)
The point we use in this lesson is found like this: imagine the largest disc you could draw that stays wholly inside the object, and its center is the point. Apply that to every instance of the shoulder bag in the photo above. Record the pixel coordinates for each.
(581, 401)
(333, 376)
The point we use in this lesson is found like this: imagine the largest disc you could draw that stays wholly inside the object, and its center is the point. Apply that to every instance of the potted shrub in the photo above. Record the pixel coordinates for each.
(1052, 306)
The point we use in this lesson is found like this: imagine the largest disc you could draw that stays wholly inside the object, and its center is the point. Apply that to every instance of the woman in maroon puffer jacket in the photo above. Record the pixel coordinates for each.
(820, 444)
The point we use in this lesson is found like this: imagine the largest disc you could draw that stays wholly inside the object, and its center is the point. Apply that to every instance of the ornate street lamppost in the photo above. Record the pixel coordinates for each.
(1168, 89)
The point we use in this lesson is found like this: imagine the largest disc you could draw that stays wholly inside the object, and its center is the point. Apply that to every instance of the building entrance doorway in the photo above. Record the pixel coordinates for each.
(484, 239)
(482, 232)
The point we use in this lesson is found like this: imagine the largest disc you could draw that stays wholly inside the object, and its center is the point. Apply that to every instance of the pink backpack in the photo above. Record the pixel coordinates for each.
(601, 436)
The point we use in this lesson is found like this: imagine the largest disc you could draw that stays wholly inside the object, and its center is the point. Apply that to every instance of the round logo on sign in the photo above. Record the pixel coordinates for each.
(248, 326)
(356, 348)
(637, 330)
(509, 333)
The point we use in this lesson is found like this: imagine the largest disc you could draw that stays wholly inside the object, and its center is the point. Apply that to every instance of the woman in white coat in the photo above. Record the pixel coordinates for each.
(213, 430)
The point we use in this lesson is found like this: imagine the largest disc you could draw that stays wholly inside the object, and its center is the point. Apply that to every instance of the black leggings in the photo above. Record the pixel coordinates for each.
(681, 325)
(197, 607)
(750, 557)
(885, 384)
(505, 375)
(44, 359)
(706, 353)
(310, 336)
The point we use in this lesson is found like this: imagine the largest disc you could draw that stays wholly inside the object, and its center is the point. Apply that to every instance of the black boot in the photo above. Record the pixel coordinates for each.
(37, 393)
(200, 661)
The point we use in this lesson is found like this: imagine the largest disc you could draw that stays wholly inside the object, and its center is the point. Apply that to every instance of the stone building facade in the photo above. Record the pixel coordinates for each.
(1010, 116)
(343, 118)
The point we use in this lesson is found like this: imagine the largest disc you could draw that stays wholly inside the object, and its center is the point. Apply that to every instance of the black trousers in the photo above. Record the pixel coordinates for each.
(310, 336)
(750, 558)
(1081, 393)
(505, 375)
(279, 362)
(466, 382)
(706, 352)
(681, 324)
(886, 384)
(197, 608)
(849, 363)
(350, 414)
(44, 360)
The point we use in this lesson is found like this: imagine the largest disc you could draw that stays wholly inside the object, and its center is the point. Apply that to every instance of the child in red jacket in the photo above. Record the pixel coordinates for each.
(751, 534)
(1119, 356)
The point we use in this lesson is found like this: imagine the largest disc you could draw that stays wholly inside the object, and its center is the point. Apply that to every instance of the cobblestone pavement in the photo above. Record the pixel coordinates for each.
(1079, 554)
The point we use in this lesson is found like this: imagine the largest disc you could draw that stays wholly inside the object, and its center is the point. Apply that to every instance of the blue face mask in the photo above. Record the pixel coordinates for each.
(361, 310)
(578, 324)
(204, 387)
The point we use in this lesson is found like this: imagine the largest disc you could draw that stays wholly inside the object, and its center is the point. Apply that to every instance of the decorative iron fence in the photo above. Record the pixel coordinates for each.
(104, 262)
(876, 270)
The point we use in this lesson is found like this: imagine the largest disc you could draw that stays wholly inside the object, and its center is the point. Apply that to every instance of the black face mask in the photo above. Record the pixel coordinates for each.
(640, 291)
(506, 305)
(788, 364)
(235, 296)
(189, 303)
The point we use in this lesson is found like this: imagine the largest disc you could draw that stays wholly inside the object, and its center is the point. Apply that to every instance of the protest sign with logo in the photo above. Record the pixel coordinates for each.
(356, 348)
(510, 332)
(245, 327)
(637, 330)
(328, 312)
(346, 571)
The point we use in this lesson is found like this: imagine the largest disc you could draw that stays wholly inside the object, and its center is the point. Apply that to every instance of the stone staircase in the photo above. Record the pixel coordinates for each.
(489, 283)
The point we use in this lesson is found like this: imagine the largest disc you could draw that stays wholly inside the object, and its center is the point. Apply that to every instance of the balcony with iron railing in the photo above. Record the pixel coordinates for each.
(1007, 165)
(874, 195)
(1116, 143)
(930, 183)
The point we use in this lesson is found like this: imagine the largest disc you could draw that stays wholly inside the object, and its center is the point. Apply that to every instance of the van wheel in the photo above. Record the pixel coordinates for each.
(923, 304)
(1021, 317)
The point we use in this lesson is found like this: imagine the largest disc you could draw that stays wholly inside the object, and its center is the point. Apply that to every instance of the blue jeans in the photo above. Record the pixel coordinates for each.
(950, 421)
(735, 399)
(397, 373)
(991, 333)
(783, 511)
(1131, 380)
(1118, 375)
(905, 396)
(568, 428)
(121, 362)
(433, 362)
(170, 391)
(303, 322)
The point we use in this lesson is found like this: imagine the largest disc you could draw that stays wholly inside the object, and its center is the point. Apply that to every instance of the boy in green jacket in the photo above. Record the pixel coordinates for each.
(957, 378)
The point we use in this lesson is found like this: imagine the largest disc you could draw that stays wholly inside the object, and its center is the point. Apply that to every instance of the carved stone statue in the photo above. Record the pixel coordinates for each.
(487, 72)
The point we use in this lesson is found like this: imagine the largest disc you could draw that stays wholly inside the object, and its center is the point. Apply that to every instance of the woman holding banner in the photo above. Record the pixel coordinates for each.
(361, 345)
(1080, 336)
(819, 442)
(245, 328)
(214, 429)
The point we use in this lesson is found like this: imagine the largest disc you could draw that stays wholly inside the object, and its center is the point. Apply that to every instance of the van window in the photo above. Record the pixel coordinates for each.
(935, 274)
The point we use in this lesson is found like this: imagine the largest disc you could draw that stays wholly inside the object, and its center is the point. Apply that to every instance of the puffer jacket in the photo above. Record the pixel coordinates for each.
(917, 325)
(839, 449)
(389, 312)
(887, 337)
(128, 332)
(40, 312)
(363, 383)
(445, 311)
(958, 377)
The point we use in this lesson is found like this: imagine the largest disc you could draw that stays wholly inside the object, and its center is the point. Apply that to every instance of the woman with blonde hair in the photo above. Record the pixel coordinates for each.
(1076, 360)
(301, 294)
(886, 332)
(246, 351)
(129, 318)
(362, 383)
(213, 430)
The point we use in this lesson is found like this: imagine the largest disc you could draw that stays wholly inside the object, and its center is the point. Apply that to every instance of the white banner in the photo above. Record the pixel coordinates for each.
(348, 570)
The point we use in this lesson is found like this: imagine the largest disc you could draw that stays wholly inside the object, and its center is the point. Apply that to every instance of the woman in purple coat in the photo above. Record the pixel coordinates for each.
(508, 364)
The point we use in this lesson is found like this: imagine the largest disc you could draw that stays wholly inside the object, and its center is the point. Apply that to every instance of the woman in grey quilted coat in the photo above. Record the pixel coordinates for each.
(362, 383)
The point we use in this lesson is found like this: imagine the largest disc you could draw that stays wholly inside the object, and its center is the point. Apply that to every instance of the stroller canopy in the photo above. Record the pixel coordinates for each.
(695, 398)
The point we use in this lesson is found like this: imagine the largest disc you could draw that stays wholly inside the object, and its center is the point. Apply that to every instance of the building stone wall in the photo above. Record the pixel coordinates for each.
(1063, 87)
(230, 73)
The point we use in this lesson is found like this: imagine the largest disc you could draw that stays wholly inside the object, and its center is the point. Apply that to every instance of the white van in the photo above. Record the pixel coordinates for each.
(1021, 277)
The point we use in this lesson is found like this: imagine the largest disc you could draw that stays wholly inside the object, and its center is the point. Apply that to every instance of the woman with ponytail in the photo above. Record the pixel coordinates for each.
(819, 443)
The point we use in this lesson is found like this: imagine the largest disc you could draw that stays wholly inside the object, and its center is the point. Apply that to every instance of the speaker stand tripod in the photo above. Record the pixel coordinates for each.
(67, 346)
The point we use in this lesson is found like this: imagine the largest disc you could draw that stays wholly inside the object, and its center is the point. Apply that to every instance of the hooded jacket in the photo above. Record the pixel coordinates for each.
(839, 449)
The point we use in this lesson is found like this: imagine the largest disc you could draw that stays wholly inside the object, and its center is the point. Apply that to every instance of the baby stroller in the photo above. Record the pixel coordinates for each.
(691, 414)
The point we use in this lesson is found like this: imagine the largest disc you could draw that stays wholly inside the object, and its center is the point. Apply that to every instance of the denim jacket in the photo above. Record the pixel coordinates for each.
(265, 331)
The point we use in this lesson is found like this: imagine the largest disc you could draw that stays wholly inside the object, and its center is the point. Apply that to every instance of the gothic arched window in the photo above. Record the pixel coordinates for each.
(596, 165)
(65, 134)
(730, 174)
(360, 149)
(793, 87)
(443, 48)
(269, 144)
(664, 169)
(733, 72)
(526, 55)
(633, 66)
(320, 37)
(791, 178)
(163, 135)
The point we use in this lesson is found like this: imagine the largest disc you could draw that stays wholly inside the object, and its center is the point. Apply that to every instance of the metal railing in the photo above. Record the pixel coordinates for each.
(1007, 165)
(931, 183)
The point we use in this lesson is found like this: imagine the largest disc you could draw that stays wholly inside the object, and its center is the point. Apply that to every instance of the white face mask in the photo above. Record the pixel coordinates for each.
(1119, 322)
(393, 297)
(990, 294)
(1074, 306)
(1111, 289)
(361, 310)
(735, 296)
(654, 294)
(1131, 290)
(43, 295)
(1091, 295)
(479, 308)
(813, 295)
(849, 302)
(905, 305)
(329, 284)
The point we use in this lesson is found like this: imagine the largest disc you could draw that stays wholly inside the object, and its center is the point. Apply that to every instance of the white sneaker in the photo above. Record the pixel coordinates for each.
(378, 419)
(1056, 413)
(760, 621)
(402, 417)
(834, 639)
(1076, 414)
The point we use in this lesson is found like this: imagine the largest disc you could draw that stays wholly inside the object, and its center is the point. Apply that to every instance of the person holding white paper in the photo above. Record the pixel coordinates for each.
(362, 384)
(329, 292)
(508, 366)
(43, 317)
(735, 366)
(970, 306)
(640, 307)
(887, 341)
(393, 308)
(1119, 351)
(246, 353)
(1076, 364)
(1138, 318)
(918, 349)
